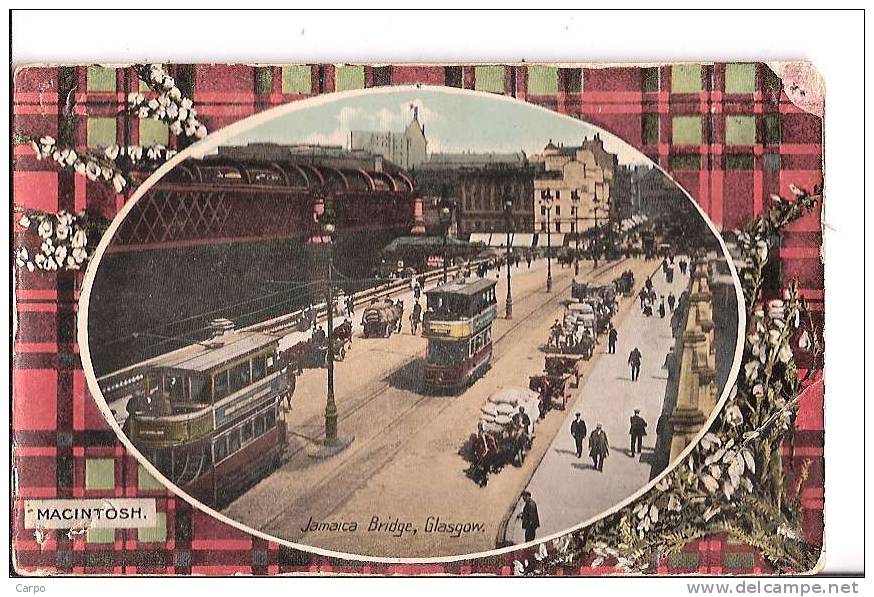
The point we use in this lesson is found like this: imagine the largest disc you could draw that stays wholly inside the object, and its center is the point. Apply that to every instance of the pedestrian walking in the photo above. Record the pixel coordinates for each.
(400, 322)
(637, 430)
(669, 274)
(672, 301)
(415, 317)
(642, 296)
(612, 337)
(683, 266)
(578, 432)
(662, 308)
(529, 517)
(599, 447)
(634, 360)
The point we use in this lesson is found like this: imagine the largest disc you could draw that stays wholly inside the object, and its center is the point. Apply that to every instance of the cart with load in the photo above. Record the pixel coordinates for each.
(553, 390)
(565, 364)
(381, 319)
(503, 438)
(625, 283)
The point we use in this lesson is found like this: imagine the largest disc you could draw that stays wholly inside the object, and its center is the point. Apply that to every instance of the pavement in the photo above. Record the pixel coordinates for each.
(568, 490)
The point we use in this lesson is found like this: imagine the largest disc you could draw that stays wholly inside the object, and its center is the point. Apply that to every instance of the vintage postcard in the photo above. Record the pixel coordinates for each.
(536, 319)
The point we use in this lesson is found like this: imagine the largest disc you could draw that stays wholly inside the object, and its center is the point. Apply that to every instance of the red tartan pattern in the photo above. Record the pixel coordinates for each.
(56, 424)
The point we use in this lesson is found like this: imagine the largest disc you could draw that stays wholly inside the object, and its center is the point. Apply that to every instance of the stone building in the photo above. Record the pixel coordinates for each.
(479, 184)
(407, 149)
(580, 180)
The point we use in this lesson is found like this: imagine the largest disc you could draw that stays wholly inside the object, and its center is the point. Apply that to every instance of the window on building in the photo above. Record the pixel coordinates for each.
(686, 78)
(453, 76)
(542, 80)
(348, 77)
(101, 79)
(543, 226)
(542, 210)
(649, 79)
(558, 226)
(558, 194)
(740, 78)
(489, 78)
(650, 128)
(772, 129)
(573, 80)
(153, 132)
(381, 76)
(739, 161)
(101, 131)
(740, 130)
(685, 162)
(558, 210)
(686, 130)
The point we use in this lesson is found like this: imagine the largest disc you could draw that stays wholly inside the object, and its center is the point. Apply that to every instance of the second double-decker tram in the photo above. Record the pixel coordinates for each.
(458, 326)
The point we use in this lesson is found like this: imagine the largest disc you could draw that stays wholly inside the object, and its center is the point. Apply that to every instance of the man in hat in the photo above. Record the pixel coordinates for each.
(634, 361)
(599, 447)
(637, 431)
(529, 517)
(578, 432)
(612, 337)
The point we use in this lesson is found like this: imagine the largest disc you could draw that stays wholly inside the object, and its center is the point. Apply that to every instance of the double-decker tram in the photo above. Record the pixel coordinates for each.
(209, 416)
(458, 326)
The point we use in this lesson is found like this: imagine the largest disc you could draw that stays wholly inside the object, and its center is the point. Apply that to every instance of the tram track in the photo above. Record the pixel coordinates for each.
(374, 452)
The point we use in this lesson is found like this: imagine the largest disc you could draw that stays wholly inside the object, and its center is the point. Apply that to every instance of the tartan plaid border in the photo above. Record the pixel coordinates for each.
(57, 428)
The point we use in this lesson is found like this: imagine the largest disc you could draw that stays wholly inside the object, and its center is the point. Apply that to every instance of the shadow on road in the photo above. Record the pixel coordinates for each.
(409, 378)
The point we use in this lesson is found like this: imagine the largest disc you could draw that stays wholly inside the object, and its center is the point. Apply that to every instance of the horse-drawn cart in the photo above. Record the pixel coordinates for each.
(565, 364)
(553, 390)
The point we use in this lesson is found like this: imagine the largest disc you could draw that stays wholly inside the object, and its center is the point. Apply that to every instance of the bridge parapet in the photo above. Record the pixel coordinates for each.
(696, 394)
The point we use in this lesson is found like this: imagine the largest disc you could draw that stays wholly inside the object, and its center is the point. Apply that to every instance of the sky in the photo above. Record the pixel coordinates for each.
(454, 122)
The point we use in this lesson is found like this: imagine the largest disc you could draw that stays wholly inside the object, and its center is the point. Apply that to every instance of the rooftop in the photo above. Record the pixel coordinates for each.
(465, 286)
(200, 358)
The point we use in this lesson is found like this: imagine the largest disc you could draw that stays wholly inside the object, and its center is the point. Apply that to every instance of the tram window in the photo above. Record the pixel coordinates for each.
(270, 419)
(153, 384)
(447, 353)
(247, 431)
(199, 390)
(259, 425)
(259, 367)
(221, 448)
(240, 376)
(271, 364)
(174, 387)
(221, 385)
(233, 441)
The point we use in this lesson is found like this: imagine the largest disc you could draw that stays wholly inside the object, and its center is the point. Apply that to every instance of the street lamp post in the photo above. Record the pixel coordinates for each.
(508, 213)
(546, 199)
(575, 199)
(333, 442)
(445, 222)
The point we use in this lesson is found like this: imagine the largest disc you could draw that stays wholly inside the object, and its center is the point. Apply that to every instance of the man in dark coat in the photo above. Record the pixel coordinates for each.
(637, 431)
(634, 361)
(672, 301)
(612, 337)
(599, 447)
(578, 432)
(529, 517)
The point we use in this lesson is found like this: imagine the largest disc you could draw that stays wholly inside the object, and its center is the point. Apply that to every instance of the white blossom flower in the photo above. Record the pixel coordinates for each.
(24, 222)
(751, 370)
(804, 341)
(61, 253)
(79, 254)
(135, 152)
(72, 263)
(45, 229)
(92, 170)
(143, 112)
(734, 416)
(758, 390)
(112, 151)
(62, 231)
(118, 182)
(201, 132)
(784, 531)
(21, 257)
(519, 567)
(79, 239)
(762, 251)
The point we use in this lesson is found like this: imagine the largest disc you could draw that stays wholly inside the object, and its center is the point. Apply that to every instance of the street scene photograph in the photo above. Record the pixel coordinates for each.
(412, 323)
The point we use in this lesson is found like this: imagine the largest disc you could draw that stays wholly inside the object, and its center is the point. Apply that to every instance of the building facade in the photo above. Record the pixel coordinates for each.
(407, 149)
(580, 180)
(479, 184)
